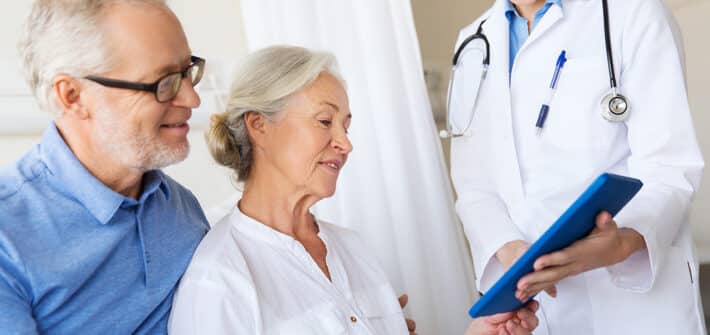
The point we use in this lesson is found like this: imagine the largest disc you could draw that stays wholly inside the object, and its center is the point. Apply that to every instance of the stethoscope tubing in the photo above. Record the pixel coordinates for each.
(607, 43)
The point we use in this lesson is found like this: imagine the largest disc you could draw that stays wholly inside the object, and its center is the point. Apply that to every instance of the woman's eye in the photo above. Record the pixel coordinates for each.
(326, 123)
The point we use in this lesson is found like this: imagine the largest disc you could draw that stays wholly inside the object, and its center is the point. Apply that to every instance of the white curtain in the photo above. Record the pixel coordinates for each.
(395, 189)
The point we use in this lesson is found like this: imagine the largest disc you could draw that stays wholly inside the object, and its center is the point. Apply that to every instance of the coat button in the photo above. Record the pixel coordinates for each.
(353, 319)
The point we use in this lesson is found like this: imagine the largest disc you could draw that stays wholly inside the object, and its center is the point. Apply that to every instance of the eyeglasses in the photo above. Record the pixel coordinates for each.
(167, 87)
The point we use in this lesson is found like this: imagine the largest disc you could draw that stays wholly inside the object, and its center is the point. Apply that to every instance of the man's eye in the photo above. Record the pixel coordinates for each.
(326, 123)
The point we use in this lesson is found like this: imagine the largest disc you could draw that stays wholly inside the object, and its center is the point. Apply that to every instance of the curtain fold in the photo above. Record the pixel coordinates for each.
(395, 189)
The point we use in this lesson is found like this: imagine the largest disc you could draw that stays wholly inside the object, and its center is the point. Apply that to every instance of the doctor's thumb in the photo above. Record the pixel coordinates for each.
(604, 222)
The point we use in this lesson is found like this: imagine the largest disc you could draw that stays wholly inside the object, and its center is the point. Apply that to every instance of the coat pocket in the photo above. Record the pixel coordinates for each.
(575, 123)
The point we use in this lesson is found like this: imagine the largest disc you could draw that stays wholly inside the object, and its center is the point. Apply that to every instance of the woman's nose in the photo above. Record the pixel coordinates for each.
(342, 143)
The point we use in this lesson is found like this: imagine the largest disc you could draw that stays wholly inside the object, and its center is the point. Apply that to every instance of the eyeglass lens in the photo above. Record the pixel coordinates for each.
(169, 86)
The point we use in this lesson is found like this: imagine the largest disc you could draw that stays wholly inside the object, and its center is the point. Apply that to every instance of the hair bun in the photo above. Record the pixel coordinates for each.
(221, 141)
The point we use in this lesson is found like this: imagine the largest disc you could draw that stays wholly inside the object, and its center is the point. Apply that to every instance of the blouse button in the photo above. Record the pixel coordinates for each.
(353, 319)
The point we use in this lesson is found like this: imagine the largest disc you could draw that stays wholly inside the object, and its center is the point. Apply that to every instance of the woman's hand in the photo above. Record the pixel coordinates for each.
(606, 245)
(411, 325)
(522, 322)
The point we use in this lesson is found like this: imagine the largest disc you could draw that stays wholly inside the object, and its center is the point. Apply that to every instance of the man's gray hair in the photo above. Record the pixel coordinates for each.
(65, 37)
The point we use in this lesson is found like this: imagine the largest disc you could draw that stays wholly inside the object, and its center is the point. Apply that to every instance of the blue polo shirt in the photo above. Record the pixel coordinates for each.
(519, 26)
(79, 258)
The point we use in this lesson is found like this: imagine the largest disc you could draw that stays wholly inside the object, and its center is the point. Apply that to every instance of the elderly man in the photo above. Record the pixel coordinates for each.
(93, 236)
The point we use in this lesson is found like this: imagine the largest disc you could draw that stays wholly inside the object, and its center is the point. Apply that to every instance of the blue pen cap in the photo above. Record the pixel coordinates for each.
(560, 63)
(562, 59)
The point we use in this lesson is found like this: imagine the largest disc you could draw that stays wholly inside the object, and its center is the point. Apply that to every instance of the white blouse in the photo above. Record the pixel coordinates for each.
(246, 278)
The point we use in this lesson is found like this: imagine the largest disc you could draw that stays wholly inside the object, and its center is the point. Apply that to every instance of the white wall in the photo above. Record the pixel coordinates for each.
(214, 32)
(692, 17)
(438, 24)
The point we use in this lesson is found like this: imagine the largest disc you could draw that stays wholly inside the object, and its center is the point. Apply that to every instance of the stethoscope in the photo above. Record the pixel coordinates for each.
(614, 106)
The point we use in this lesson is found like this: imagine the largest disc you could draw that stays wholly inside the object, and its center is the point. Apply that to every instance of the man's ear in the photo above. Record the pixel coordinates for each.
(67, 91)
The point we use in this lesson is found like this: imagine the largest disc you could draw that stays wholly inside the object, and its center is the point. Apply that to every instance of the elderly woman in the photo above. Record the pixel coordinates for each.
(270, 266)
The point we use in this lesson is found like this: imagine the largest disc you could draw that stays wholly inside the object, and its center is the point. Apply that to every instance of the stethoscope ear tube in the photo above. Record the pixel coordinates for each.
(449, 133)
(478, 35)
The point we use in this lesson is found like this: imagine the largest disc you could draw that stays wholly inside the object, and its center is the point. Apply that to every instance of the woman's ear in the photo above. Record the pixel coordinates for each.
(256, 127)
(67, 91)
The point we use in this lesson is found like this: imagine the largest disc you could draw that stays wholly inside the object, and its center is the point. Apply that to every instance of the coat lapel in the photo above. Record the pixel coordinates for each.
(498, 31)
(549, 20)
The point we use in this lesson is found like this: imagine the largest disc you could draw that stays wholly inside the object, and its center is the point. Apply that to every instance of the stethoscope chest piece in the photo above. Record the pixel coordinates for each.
(615, 107)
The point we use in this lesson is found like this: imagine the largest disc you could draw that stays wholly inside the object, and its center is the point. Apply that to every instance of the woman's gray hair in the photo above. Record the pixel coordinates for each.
(65, 37)
(263, 83)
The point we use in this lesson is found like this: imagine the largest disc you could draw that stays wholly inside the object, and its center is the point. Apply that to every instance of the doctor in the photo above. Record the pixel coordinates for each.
(617, 104)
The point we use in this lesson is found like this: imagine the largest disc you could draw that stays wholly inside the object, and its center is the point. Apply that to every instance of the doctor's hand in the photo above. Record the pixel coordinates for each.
(606, 245)
(511, 251)
(411, 325)
(521, 322)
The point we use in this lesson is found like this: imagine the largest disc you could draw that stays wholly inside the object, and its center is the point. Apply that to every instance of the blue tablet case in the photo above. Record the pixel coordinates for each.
(609, 192)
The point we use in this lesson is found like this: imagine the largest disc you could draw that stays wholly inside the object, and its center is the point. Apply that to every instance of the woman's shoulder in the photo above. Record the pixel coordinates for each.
(218, 257)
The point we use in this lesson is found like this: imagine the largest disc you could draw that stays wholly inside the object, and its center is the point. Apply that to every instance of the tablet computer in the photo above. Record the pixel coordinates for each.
(609, 192)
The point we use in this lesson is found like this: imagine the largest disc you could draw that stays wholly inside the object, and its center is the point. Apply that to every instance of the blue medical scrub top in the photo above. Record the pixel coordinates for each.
(519, 26)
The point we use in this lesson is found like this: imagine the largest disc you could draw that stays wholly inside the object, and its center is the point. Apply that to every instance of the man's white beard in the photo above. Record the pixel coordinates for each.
(135, 150)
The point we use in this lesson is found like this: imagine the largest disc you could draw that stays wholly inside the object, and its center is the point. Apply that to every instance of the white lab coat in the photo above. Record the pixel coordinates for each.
(512, 184)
